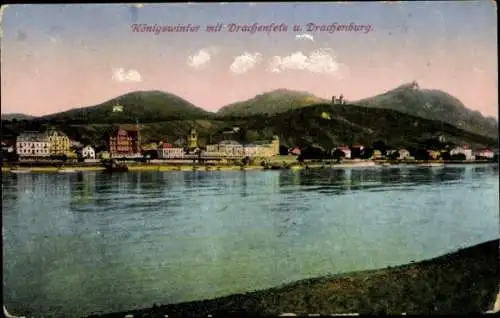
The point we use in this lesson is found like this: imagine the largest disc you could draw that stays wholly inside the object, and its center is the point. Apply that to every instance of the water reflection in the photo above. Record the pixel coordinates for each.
(115, 242)
(343, 181)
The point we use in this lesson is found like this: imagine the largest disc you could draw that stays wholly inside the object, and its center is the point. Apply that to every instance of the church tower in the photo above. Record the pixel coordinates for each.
(192, 139)
(276, 145)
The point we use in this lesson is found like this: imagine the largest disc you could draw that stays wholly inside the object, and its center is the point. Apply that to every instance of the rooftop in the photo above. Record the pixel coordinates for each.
(229, 142)
(32, 136)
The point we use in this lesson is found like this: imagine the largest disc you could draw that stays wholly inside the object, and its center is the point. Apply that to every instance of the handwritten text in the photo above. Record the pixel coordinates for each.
(253, 28)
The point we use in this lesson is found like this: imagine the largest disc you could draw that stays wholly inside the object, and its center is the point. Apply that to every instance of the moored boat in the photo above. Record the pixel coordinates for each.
(433, 164)
(113, 166)
(66, 170)
(21, 170)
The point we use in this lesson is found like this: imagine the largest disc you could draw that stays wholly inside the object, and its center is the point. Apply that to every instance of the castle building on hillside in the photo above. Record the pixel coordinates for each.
(339, 100)
(117, 108)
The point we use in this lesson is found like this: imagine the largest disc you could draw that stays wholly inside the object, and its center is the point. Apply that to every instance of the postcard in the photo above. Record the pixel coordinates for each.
(253, 158)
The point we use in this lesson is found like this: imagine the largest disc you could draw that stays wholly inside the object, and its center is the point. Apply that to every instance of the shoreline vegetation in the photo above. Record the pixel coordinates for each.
(136, 167)
(464, 281)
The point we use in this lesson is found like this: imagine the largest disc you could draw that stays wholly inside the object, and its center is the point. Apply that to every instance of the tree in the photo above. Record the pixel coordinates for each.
(394, 155)
(283, 150)
(246, 161)
(422, 154)
(445, 155)
(459, 156)
(381, 146)
(311, 153)
(355, 152)
(366, 153)
(151, 154)
(338, 154)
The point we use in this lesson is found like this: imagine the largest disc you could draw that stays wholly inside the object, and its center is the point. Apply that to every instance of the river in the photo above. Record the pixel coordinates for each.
(76, 244)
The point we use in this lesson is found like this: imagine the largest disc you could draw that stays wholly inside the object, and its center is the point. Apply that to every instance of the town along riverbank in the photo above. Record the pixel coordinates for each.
(465, 281)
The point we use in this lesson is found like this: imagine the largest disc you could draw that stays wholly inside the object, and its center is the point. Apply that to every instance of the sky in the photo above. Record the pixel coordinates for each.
(58, 57)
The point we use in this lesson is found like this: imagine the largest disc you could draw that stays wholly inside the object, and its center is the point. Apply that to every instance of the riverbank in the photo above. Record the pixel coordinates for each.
(202, 167)
(131, 168)
(465, 281)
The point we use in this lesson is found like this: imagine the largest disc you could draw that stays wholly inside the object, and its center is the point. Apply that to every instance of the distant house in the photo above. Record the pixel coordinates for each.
(117, 108)
(434, 154)
(8, 145)
(167, 151)
(346, 151)
(465, 150)
(75, 144)
(377, 154)
(404, 154)
(88, 152)
(294, 151)
(485, 153)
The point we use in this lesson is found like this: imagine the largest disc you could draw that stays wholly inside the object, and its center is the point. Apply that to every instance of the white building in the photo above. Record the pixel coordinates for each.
(485, 153)
(404, 154)
(465, 150)
(251, 150)
(32, 144)
(346, 151)
(166, 151)
(88, 152)
(75, 144)
(231, 148)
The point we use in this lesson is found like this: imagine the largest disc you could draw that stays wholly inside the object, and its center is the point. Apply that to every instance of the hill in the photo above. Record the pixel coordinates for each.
(270, 103)
(16, 116)
(144, 106)
(328, 125)
(323, 125)
(435, 105)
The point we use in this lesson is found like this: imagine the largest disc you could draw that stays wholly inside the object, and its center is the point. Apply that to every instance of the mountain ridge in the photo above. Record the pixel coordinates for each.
(321, 125)
(157, 106)
(432, 104)
(149, 105)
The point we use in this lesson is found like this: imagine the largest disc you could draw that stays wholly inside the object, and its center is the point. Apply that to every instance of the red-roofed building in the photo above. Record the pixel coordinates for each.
(124, 143)
(485, 153)
(346, 151)
(167, 151)
(465, 150)
(295, 151)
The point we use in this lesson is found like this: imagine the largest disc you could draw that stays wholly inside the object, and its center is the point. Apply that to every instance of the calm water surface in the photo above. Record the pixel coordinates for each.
(76, 244)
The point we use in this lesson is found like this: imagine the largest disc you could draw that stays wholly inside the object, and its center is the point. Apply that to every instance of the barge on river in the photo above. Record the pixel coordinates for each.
(113, 166)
